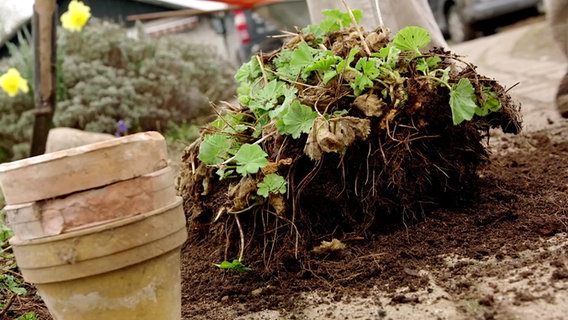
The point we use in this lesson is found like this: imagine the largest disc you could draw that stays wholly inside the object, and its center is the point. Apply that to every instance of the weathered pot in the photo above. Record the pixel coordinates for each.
(86, 167)
(125, 269)
(92, 207)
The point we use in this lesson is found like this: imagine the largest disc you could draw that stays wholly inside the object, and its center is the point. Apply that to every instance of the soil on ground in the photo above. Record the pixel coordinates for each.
(502, 255)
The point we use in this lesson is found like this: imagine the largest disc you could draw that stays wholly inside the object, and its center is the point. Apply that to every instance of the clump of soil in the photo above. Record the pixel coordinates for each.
(374, 157)
(499, 240)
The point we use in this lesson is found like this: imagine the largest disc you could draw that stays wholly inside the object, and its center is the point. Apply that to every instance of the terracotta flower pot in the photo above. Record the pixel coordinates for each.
(126, 269)
(98, 229)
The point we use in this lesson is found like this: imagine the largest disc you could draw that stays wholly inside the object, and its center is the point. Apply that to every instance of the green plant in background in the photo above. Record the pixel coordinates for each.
(11, 283)
(28, 316)
(105, 75)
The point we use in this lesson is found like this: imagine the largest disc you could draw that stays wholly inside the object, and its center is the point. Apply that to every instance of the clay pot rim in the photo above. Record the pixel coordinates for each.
(117, 223)
(56, 155)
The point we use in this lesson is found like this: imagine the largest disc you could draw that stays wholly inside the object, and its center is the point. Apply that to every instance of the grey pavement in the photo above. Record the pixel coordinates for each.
(526, 60)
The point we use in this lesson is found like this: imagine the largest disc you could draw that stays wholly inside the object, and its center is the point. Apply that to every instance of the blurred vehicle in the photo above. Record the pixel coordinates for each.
(257, 26)
(254, 34)
(462, 20)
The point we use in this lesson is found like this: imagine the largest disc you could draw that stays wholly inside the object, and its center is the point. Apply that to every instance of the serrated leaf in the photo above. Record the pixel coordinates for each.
(214, 148)
(368, 67)
(291, 64)
(250, 158)
(289, 94)
(361, 82)
(389, 56)
(267, 97)
(344, 64)
(325, 64)
(272, 183)
(248, 71)
(462, 101)
(336, 19)
(297, 119)
(411, 38)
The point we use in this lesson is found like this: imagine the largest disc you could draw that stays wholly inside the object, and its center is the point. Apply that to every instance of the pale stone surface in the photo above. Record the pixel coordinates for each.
(67, 138)
(87, 208)
(91, 166)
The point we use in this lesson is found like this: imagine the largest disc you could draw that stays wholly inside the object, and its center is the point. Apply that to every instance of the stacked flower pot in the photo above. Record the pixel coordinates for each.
(98, 229)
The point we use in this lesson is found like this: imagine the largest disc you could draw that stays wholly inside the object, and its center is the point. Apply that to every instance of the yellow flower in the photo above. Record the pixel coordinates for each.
(12, 81)
(76, 16)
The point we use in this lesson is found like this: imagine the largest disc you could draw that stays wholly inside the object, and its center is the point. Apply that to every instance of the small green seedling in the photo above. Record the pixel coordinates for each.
(235, 265)
(272, 183)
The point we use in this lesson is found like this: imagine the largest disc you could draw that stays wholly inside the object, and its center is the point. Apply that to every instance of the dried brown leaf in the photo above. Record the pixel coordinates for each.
(327, 247)
(239, 194)
(335, 135)
(371, 104)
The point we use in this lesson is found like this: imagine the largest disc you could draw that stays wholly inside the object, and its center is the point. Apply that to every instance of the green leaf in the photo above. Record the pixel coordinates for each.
(10, 282)
(445, 75)
(291, 64)
(230, 123)
(361, 82)
(266, 98)
(327, 64)
(297, 119)
(214, 148)
(328, 75)
(235, 265)
(345, 64)
(272, 183)
(250, 158)
(389, 56)
(28, 316)
(335, 20)
(289, 94)
(368, 67)
(426, 64)
(411, 38)
(462, 101)
(324, 63)
(369, 73)
(490, 104)
(5, 231)
(248, 71)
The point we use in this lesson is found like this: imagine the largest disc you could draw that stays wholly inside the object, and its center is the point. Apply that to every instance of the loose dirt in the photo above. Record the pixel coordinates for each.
(503, 255)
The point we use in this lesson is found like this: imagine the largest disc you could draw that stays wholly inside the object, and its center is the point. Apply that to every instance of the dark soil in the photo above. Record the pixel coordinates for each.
(521, 200)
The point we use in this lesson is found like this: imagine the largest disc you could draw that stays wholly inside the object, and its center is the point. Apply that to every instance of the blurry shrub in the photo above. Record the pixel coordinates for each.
(105, 76)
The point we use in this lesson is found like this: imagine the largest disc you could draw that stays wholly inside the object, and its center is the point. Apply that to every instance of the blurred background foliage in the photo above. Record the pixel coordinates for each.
(105, 75)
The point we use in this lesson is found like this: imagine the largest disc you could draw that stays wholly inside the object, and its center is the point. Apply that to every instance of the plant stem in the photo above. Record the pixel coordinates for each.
(379, 14)
(365, 46)
(242, 234)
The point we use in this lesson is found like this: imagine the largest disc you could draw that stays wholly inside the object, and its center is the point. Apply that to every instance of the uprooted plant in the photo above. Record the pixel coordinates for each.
(339, 131)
